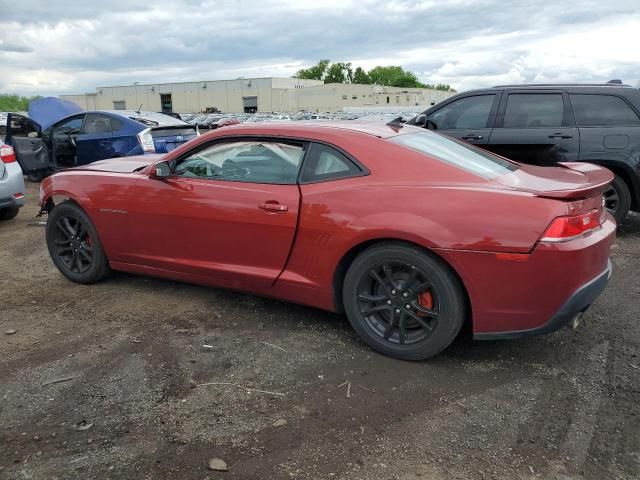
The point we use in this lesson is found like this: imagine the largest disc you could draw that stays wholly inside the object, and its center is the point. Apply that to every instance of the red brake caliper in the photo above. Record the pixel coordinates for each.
(426, 300)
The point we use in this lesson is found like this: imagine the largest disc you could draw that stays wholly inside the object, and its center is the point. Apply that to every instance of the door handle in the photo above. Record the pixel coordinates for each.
(560, 135)
(273, 207)
(472, 137)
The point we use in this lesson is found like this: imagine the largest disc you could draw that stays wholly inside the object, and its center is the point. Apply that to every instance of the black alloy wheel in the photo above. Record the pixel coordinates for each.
(398, 303)
(403, 301)
(74, 245)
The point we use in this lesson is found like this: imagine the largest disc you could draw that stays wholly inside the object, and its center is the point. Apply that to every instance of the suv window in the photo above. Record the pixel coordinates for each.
(251, 161)
(466, 113)
(531, 110)
(97, 124)
(602, 111)
(326, 163)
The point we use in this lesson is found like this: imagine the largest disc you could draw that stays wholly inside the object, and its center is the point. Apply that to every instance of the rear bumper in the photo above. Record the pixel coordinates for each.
(577, 303)
(12, 187)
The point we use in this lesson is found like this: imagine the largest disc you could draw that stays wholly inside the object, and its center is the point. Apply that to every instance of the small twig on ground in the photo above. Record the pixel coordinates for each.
(240, 386)
(343, 384)
(365, 388)
(57, 380)
(349, 390)
(274, 346)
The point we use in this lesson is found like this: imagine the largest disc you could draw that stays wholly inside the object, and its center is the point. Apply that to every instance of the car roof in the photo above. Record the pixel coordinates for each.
(160, 118)
(377, 129)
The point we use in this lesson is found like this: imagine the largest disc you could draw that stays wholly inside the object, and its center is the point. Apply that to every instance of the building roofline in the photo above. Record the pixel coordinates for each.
(206, 81)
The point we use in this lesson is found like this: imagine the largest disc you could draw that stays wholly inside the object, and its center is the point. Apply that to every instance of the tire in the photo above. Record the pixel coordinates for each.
(74, 245)
(617, 199)
(9, 213)
(37, 176)
(390, 285)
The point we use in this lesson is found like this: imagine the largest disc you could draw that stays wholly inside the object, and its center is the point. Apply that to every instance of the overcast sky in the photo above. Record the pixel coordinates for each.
(74, 46)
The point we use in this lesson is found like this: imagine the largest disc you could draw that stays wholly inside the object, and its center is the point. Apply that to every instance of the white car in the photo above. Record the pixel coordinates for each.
(11, 183)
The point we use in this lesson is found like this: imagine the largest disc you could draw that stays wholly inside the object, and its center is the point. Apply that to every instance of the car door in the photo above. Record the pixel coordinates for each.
(95, 142)
(227, 213)
(23, 134)
(535, 127)
(469, 118)
(63, 137)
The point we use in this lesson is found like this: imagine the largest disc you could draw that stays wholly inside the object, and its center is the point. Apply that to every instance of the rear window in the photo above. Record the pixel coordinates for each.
(466, 157)
(602, 111)
(172, 132)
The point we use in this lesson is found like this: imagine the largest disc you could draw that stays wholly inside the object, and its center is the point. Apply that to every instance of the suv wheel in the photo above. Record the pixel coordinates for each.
(617, 199)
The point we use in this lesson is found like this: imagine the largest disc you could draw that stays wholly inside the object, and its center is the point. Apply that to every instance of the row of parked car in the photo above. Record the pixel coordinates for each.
(216, 120)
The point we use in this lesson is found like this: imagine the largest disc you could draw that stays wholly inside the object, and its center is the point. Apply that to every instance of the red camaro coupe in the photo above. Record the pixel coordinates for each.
(408, 232)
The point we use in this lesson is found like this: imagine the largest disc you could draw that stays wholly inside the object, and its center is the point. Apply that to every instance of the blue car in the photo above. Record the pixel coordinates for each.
(57, 134)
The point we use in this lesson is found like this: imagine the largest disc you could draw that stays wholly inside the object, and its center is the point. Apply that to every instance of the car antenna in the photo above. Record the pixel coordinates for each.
(396, 123)
(139, 108)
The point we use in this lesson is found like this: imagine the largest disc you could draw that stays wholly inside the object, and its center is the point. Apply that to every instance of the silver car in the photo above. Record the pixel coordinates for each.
(11, 183)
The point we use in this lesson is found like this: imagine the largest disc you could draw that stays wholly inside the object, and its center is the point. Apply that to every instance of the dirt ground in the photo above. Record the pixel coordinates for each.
(104, 381)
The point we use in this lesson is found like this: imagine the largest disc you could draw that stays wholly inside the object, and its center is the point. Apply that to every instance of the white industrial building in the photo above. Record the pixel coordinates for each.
(251, 95)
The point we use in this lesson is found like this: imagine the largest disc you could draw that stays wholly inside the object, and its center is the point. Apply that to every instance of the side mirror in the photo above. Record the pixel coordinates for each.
(430, 125)
(161, 170)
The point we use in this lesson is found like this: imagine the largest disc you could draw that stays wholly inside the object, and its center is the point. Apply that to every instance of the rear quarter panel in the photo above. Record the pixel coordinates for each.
(407, 196)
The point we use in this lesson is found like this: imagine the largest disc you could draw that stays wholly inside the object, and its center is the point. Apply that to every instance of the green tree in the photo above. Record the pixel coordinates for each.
(14, 103)
(361, 77)
(339, 72)
(394, 76)
(317, 72)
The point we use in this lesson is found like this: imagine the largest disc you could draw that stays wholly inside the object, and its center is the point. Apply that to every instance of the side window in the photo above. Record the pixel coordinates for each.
(251, 161)
(96, 123)
(602, 111)
(326, 163)
(466, 113)
(21, 126)
(116, 124)
(73, 125)
(531, 110)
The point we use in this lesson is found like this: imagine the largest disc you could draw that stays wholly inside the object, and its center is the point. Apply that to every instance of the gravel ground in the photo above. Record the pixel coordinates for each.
(105, 381)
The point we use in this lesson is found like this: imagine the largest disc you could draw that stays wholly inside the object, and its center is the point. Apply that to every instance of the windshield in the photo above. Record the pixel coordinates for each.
(454, 152)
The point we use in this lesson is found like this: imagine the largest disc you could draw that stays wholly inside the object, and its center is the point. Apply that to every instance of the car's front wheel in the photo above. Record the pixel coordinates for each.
(617, 199)
(74, 245)
(403, 302)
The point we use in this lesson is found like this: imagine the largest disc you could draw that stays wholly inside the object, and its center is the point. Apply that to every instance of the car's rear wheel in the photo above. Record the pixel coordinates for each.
(617, 199)
(74, 245)
(9, 213)
(403, 302)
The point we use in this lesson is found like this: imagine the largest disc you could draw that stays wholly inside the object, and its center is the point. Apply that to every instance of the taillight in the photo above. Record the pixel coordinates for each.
(570, 227)
(146, 141)
(7, 155)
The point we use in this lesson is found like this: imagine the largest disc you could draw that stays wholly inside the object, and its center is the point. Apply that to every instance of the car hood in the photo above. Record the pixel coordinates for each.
(47, 111)
(121, 165)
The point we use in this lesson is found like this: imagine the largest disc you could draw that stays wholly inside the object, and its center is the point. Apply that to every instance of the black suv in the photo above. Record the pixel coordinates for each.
(545, 124)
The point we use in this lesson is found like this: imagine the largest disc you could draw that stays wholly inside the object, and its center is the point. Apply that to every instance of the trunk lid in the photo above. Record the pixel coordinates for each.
(569, 180)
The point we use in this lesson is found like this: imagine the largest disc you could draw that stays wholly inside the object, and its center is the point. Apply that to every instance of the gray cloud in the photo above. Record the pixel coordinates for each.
(462, 42)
